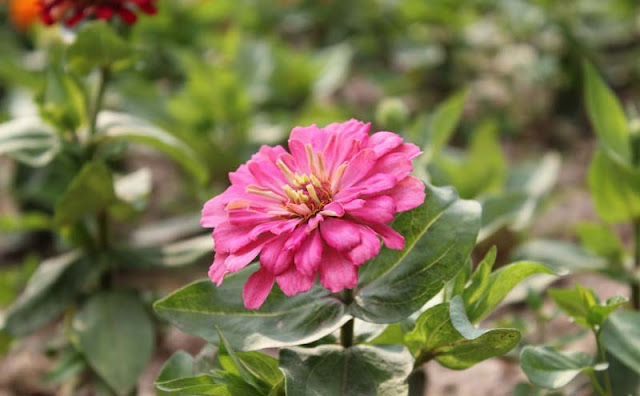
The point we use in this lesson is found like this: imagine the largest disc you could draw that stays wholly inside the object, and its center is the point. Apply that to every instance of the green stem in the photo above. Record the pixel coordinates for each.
(635, 287)
(602, 358)
(596, 385)
(105, 74)
(346, 332)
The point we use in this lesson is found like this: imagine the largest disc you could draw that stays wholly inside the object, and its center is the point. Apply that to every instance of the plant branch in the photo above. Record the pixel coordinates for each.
(602, 358)
(105, 74)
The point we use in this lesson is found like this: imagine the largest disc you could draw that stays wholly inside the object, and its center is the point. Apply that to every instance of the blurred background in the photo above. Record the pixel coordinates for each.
(226, 76)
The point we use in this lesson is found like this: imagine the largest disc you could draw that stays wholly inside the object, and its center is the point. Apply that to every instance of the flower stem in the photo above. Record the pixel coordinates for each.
(602, 358)
(346, 332)
(105, 74)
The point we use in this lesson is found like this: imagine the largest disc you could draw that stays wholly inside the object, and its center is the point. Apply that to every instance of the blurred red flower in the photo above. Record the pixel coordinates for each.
(73, 11)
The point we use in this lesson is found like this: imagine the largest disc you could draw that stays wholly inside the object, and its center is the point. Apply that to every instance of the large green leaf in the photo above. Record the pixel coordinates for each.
(359, 370)
(29, 140)
(439, 236)
(201, 306)
(606, 115)
(50, 291)
(97, 45)
(445, 334)
(172, 255)
(116, 335)
(621, 337)
(549, 368)
(121, 126)
(615, 188)
(89, 192)
(501, 282)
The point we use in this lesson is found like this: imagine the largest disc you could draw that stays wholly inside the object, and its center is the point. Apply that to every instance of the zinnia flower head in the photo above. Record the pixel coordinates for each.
(24, 12)
(73, 11)
(319, 209)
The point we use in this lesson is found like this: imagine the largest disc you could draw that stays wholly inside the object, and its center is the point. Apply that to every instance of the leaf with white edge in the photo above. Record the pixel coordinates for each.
(615, 188)
(358, 370)
(29, 140)
(560, 255)
(121, 126)
(173, 255)
(215, 384)
(49, 292)
(552, 369)
(179, 365)
(606, 114)
(621, 336)
(116, 335)
(445, 334)
(281, 321)
(501, 283)
(439, 236)
(335, 62)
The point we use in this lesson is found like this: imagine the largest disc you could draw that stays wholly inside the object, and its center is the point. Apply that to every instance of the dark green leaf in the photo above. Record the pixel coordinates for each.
(70, 364)
(5, 342)
(200, 307)
(621, 337)
(62, 101)
(624, 381)
(50, 291)
(359, 370)
(501, 282)
(552, 369)
(606, 114)
(29, 140)
(97, 45)
(439, 236)
(116, 335)
(615, 188)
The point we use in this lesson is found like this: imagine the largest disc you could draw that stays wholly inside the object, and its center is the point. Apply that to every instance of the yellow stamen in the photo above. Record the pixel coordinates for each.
(310, 158)
(337, 176)
(240, 204)
(286, 171)
(290, 192)
(253, 189)
(313, 194)
(322, 169)
(316, 182)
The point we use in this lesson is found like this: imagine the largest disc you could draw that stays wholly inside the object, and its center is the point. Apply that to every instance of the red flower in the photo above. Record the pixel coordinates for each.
(73, 11)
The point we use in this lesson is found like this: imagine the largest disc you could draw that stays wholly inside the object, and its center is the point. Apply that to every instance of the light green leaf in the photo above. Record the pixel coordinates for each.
(600, 240)
(559, 255)
(97, 45)
(201, 306)
(439, 236)
(501, 283)
(479, 282)
(621, 337)
(5, 342)
(445, 334)
(120, 126)
(88, 193)
(29, 140)
(116, 335)
(615, 188)
(442, 124)
(552, 369)
(28, 221)
(172, 255)
(334, 67)
(606, 115)
(62, 102)
(359, 370)
(50, 291)
(200, 385)
(180, 365)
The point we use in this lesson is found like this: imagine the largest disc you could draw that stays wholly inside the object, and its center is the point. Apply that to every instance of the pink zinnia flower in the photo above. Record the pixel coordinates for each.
(318, 209)
(74, 11)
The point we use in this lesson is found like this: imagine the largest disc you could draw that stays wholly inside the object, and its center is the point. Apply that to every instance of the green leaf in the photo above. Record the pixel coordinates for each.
(29, 221)
(615, 188)
(600, 240)
(97, 45)
(116, 335)
(88, 193)
(439, 236)
(624, 381)
(70, 364)
(559, 255)
(29, 140)
(621, 337)
(583, 306)
(172, 255)
(443, 122)
(114, 126)
(445, 334)
(552, 369)
(50, 291)
(179, 365)
(199, 385)
(201, 306)
(393, 334)
(501, 282)
(479, 282)
(359, 370)
(62, 102)
(606, 114)
(334, 68)
(5, 342)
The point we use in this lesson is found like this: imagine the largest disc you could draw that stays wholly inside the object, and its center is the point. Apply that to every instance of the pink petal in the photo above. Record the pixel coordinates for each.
(292, 282)
(408, 194)
(257, 289)
(352, 129)
(297, 237)
(242, 257)
(396, 164)
(213, 212)
(383, 142)
(410, 150)
(380, 209)
(337, 272)
(358, 167)
(333, 209)
(391, 238)
(340, 234)
(274, 257)
(307, 257)
(230, 238)
(313, 135)
(368, 248)
(217, 270)
(299, 154)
